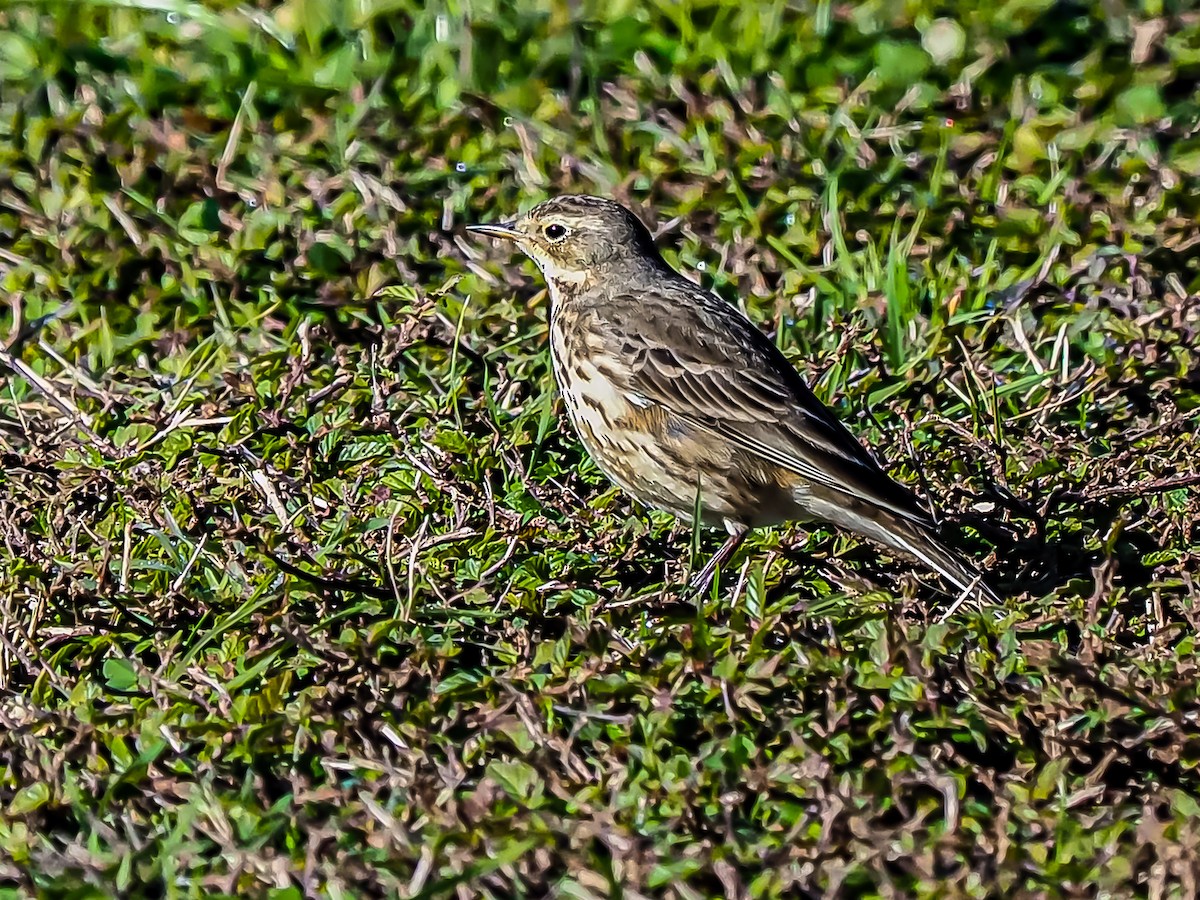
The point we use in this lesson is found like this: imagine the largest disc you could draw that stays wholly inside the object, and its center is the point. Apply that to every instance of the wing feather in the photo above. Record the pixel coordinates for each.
(704, 361)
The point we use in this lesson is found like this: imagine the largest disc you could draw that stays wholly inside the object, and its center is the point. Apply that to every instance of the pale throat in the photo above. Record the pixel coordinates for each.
(558, 276)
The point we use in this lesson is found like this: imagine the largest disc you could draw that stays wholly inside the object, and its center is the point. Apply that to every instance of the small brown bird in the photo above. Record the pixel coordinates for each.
(685, 404)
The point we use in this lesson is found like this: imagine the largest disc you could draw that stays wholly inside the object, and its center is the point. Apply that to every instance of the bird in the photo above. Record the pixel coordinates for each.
(683, 402)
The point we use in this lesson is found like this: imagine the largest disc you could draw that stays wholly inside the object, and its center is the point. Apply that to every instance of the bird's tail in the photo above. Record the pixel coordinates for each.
(917, 540)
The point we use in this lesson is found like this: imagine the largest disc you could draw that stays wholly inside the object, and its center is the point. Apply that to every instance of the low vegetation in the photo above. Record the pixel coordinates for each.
(306, 588)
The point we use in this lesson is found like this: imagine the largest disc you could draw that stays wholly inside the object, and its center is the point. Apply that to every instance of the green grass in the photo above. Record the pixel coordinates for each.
(976, 237)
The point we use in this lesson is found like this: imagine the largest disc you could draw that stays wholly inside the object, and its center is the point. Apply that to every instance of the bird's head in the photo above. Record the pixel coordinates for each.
(573, 237)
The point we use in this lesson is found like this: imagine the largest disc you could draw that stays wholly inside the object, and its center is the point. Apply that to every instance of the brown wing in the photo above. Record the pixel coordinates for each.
(702, 359)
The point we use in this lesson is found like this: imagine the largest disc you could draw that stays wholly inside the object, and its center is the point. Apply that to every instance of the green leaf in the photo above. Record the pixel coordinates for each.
(458, 679)
(29, 798)
(119, 674)
(1140, 105)
(195, 223)
(900, 63)
(18, 59)
(519, 780)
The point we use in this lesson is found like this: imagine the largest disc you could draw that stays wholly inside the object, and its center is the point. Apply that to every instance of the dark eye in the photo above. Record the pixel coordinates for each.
(556, 232)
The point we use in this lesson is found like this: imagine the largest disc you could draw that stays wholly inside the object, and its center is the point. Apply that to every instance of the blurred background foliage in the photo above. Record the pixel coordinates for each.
(316, 148)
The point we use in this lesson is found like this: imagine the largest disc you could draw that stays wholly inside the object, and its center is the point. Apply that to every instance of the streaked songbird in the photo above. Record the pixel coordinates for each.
(685, 404)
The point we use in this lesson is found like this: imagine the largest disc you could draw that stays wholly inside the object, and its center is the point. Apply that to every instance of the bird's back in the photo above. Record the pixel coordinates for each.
(681, 348)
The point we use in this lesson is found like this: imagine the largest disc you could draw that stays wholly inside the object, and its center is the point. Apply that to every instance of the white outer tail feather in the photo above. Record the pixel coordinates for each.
(910, 539)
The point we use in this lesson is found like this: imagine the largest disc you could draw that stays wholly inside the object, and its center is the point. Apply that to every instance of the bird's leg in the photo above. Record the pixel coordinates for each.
(703, 580)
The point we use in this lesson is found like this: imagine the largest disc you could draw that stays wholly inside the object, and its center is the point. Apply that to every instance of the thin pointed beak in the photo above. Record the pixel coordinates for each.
(499, 229)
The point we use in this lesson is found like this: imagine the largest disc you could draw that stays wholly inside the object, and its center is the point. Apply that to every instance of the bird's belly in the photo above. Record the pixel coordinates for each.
(665, 461)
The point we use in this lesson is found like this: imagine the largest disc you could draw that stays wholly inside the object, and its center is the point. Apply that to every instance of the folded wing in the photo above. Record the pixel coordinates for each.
(700, 358)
